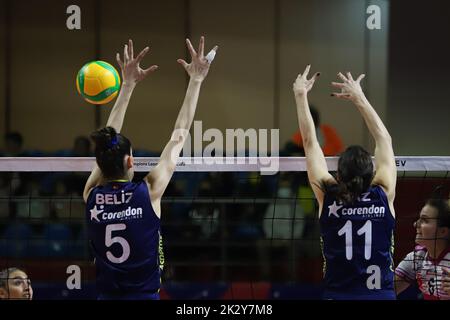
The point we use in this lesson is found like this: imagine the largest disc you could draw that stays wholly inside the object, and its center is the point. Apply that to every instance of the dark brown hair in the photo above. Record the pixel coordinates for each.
(110, 149)
(355, 174)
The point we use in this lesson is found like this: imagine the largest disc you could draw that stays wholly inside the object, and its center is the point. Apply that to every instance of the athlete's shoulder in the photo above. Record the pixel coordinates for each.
(377, 188)
(93, 191)
(132, 185)
(380, 192)
(140, 189)
(143, 184)
(329, 189)
(447, 252)
(444, 258)
(420, 253)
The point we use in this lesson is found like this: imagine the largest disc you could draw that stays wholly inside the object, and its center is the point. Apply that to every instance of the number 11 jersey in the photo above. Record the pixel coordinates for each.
(357, 245)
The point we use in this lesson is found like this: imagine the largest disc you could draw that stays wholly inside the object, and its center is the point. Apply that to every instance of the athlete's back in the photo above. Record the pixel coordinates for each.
(125, 237)
(123, 219)
(357, 242)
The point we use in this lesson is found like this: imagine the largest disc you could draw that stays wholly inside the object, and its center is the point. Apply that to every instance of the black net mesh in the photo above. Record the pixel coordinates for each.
(226, 234)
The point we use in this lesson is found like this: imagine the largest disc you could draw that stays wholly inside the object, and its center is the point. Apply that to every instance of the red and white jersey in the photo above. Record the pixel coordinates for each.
(419, 267)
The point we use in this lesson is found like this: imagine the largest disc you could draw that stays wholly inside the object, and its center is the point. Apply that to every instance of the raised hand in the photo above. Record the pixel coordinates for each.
(199, 66)
(132, 72)
(302, 85)
(350, 89)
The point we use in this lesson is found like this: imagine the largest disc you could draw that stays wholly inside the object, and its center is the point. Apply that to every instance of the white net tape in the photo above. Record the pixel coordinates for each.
(217, 164)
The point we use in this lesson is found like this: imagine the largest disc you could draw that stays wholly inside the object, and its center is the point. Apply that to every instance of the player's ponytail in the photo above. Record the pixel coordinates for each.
(110, 149)
(354, 175)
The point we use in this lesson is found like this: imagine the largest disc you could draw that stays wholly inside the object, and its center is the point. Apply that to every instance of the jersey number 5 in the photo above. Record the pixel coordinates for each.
(366, 229)
(109, 241)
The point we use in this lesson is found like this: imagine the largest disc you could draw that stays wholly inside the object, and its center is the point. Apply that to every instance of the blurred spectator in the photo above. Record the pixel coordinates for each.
(15, 284)
(283, 224)
(175, 213)
(57, 237)
(5, 178)
(250, 185)
(205, 216)
(81, 147)
(284, 219)
(13, 148)
(16, 239)
(327, 136)
(243, 217)
(76, 180)
(61, 204)
(31, 205)
(222, 183)
(249, 223)
(311, 231)
(13, 145)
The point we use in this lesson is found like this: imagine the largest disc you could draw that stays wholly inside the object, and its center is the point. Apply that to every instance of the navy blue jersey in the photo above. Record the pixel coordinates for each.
(124, 232)
(357, 244)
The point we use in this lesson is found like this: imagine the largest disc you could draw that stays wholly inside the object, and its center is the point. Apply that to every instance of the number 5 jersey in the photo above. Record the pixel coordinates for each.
(124, 233)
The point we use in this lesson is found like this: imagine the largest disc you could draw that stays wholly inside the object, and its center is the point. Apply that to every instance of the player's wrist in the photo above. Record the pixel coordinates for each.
(197, 79)
(300, 93)
(127, 84)
(360, 100)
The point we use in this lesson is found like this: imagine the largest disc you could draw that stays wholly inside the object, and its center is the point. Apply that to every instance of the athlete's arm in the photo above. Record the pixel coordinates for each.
(315, 160)
(160, 176)
(405, 272)
(95, 179)
(132, 73)
(386, 172)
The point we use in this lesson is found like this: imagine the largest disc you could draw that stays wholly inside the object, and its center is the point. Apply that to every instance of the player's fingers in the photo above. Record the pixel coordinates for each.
(342, 77)
(338, 84)
(142, 54)
(125, 54)
(305, 73)
(191, 48)
(119, 62)
(362, 76)
(341, 95)
(130, 48)
(183, 63)
(349, 76)
(150, 70)
(315, 76)
(201, 47)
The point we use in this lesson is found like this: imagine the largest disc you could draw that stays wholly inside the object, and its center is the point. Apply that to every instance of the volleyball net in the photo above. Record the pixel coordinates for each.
(232, 227)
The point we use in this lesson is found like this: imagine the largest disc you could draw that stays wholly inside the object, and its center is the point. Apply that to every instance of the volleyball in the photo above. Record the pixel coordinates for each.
(98, 82)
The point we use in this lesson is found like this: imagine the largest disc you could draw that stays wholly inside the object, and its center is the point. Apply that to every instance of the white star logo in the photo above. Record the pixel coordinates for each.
(95, 213)
(333, 209)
